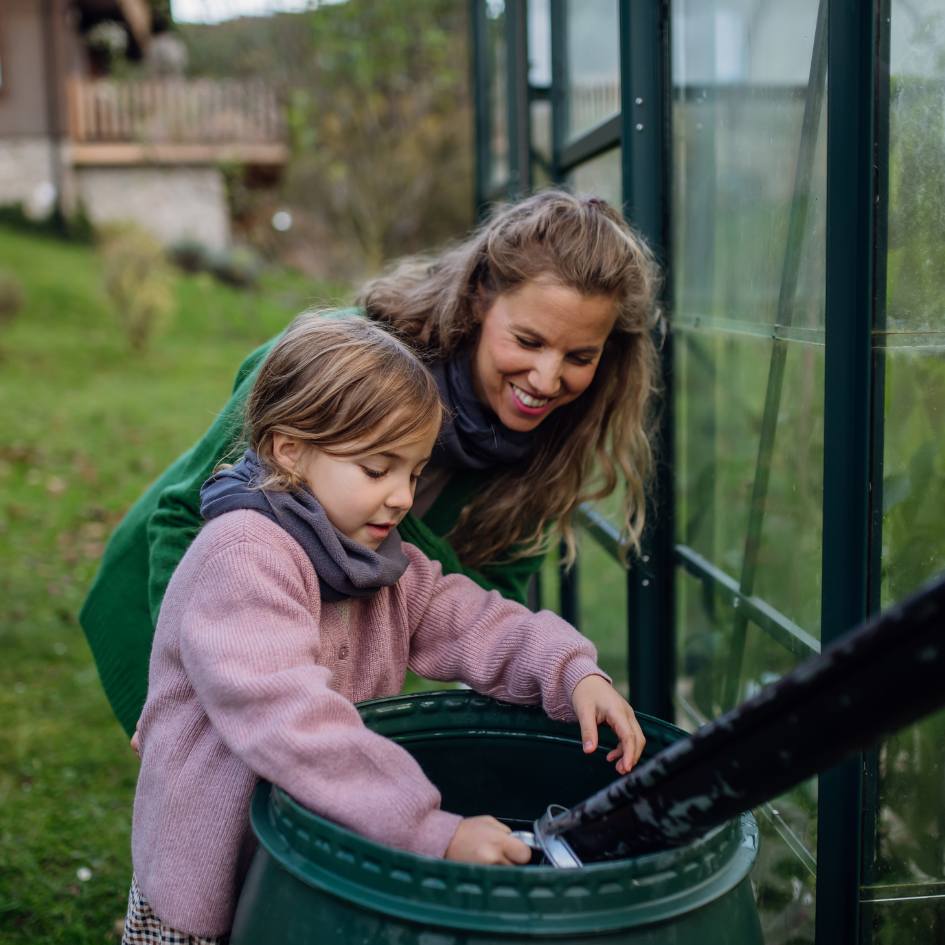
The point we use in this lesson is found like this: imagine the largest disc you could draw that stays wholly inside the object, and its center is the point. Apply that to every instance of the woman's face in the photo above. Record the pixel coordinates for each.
(538, 349)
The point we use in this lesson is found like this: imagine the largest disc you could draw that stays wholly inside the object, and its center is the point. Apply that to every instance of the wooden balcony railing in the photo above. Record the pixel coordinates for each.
(162, 112)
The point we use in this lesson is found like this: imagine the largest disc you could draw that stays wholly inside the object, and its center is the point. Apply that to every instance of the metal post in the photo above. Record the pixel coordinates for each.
(519, 116)
(851, 190)
(645, 122)
(479, 64)
(568, 603)
(559, 85)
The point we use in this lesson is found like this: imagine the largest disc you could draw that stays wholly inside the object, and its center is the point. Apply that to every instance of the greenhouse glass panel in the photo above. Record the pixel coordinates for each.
(497, 92)
(748, 277)
(599, 177)
(904, 889)
(602, 608)
(593, 63)
(539, 77)
(602, 603)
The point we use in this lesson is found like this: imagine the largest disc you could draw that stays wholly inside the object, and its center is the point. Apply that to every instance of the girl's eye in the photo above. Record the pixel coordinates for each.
(373, 473)
(527, 342)
(581, 359)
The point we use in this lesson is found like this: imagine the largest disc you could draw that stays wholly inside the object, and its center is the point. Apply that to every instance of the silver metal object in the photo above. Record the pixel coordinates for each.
(556, 850)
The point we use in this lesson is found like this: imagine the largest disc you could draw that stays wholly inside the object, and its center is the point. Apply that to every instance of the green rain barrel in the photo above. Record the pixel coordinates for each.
(314, 882)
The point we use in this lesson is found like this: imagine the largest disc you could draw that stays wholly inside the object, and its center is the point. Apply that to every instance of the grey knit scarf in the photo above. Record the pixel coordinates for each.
(344, 567)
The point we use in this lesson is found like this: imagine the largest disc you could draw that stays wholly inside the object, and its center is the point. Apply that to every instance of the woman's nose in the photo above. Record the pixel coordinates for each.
(545, 375)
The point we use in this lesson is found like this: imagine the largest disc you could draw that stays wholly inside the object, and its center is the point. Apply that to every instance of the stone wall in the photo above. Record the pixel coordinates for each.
(172, 202)
(27, 173)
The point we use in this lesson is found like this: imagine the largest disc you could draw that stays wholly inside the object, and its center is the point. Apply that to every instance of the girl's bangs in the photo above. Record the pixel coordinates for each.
(404, 424)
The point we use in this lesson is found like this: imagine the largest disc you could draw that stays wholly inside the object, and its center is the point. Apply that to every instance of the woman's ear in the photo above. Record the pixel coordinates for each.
(286, 450)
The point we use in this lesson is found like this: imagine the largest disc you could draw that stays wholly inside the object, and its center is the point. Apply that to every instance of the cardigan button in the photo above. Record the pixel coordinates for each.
(343, 652)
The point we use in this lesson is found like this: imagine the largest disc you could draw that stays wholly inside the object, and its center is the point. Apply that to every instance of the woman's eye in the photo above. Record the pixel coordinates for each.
(373, 473)
(581, 359)
(528, 342)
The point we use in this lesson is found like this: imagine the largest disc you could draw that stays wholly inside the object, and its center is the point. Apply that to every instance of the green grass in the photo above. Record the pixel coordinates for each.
(86, 425)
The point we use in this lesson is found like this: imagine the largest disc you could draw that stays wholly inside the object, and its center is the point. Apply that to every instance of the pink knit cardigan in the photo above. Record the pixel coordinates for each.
(253, 676)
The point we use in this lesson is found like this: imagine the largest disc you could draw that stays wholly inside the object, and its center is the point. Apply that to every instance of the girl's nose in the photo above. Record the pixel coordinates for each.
(401, 497)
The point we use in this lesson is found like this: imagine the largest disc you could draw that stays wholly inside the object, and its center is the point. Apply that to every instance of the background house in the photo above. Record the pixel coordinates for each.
(134, 142)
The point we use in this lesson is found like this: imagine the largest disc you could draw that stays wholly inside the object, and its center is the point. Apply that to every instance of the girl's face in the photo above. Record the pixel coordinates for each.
(538, 349)
(364, 495)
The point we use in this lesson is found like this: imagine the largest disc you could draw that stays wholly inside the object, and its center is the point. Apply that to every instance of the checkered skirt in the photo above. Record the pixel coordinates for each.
(143, 927)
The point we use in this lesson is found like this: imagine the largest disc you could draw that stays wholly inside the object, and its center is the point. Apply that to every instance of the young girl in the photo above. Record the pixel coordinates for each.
(298, 599)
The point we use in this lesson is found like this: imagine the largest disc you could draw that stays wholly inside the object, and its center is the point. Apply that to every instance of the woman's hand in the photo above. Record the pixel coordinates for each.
(136, 743)
(594, 701)
(485, 840)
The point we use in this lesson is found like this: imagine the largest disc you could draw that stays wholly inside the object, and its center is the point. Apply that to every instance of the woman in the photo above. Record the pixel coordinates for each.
(538, 329)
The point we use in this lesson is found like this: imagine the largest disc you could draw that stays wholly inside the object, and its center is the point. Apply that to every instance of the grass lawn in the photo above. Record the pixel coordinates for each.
(86, 425)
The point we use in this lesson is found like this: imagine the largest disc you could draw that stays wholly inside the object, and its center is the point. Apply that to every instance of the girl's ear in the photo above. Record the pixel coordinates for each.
(286, 450)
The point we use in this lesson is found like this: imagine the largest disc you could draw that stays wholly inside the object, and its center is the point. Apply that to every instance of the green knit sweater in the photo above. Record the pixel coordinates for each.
(121, 610)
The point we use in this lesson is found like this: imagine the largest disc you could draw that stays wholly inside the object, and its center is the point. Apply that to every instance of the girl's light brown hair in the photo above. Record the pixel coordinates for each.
(345, 386)
(583, 448)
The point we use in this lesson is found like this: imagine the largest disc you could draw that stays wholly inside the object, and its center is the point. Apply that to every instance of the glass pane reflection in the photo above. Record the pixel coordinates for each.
(749, 222)
(600, 177)
(498, 92)
(904, 893)
(593, 60)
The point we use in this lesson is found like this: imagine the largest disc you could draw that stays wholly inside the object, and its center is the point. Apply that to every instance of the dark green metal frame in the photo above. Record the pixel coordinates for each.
(852, 44)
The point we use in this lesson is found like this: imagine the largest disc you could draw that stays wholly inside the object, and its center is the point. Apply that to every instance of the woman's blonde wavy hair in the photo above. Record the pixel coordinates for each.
(583, 448)
(345, 386)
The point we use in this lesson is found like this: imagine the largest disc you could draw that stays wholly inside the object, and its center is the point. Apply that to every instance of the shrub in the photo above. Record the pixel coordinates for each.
(77, 228)
(239, 267)
(11, 296)
(138, 281)
(190, 255)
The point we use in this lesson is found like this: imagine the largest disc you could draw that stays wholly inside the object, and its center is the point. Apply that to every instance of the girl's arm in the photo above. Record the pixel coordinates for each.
(496, 646)
(250, 644)
(510, 579)
(504, 650)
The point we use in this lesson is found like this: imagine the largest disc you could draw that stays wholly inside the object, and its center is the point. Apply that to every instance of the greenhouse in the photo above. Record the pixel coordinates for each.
(787, 161)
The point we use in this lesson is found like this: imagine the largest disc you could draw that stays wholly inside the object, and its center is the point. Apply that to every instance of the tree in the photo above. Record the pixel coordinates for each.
(382, 124)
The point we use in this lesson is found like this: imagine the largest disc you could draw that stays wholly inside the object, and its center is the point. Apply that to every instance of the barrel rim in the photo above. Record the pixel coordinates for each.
(431, 890)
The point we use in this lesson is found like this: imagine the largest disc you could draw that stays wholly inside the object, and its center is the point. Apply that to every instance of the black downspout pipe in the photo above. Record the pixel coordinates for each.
(875, 680)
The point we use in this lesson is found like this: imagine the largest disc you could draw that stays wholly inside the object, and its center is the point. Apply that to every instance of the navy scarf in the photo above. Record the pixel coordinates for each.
(472, 436)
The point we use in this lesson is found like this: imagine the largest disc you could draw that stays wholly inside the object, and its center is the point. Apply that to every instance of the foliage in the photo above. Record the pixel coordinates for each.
(379, 115)
(86, 428)
(138, 282)
(77, 227)
(382, 128)
(238, 266)
(189, 255)
(108, 37)
(11, 296)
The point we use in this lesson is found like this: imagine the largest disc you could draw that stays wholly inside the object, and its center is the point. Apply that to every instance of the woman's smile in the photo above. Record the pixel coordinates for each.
(530, 404)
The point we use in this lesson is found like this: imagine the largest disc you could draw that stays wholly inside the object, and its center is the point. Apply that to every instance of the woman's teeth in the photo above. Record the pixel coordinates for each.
(528, 400)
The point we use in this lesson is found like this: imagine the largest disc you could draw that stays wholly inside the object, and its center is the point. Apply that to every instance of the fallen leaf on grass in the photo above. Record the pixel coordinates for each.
(55, 485)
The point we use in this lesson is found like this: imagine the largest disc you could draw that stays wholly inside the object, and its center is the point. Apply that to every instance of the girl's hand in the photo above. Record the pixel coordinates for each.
(486, 840)
(594, 701)
(136, 743)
